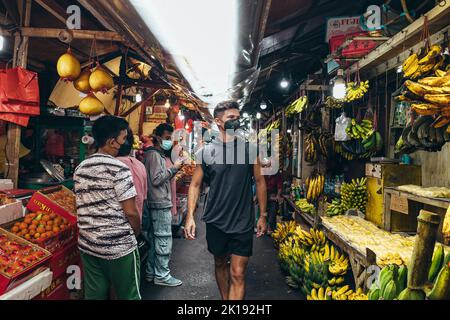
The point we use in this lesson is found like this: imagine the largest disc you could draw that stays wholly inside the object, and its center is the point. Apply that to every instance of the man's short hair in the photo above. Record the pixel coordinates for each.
(108, 127)
(159, 131)
(224, 106)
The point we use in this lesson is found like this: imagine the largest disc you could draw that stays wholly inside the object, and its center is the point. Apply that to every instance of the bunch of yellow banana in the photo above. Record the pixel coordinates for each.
(342, 294)
(339, 265)
(355, 91)
(358, 295)
(319, 239)
(303, 237)
(336, 281)
(320, 294)
(283, 230)
(305, 206)
(315, 185)
(311, 151)
(297, 106)
(333, 103)
(413, 67)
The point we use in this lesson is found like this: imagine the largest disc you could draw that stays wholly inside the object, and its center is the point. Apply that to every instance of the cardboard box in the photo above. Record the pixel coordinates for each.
(6, 184)
(8, 282)
(40, 201)
(56, 291)
(64, 258)
(11, 212)
(31, 288)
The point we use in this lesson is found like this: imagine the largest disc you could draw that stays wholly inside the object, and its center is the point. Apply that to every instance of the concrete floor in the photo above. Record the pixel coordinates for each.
(194, 265)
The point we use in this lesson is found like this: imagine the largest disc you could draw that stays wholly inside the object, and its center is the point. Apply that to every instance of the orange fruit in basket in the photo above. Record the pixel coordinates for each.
(32, 233)
(63, 227)
(40, 230)
(17, 224)
(23, 226)
(58, 220)
(32, 227)
(34, 222)
(15, 229)
(44, 236)
(48, 228)
(52, 216)
(27, 220)
(50, 222)
(56, 229)
(32, 215)
(28, 236)
(49, 234)
(46, 218)
(37, 235)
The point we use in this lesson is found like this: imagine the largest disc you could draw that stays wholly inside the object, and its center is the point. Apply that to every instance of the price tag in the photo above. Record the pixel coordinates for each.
(399, 204)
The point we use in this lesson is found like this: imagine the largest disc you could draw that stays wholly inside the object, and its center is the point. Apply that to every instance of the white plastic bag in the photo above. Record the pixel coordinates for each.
(342, 123)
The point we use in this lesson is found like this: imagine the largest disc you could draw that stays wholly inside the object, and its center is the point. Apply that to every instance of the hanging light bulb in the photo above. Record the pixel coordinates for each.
(284, 83)
(339, 89)
(181, 115)
(263, 105)
(167, 105)
(258, 116)
(2, 42)
(138, 98)
(400, 69)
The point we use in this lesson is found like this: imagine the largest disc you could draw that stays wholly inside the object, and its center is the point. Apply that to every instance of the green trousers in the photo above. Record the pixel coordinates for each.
(123, 275)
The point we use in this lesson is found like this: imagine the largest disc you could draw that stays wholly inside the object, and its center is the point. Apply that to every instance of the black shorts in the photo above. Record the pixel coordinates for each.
(221, 244)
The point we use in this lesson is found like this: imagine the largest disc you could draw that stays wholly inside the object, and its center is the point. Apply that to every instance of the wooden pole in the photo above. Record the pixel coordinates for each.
(14, 130)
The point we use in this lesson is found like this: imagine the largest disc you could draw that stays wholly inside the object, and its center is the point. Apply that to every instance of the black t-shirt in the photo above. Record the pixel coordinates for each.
(228, 170)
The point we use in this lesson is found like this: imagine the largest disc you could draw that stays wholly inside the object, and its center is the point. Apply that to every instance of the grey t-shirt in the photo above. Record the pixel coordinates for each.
(228, 170)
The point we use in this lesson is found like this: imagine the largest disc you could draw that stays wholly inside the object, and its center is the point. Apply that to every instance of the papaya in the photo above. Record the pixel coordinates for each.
(390, 292)
(409, 294)
(436, 263)
(441, 288)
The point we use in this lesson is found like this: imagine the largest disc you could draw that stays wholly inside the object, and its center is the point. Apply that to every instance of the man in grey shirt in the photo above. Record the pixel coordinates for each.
(159, 207)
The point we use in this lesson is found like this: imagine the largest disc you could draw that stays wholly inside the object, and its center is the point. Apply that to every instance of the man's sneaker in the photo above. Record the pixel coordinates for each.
(171, 282)
(149, 279)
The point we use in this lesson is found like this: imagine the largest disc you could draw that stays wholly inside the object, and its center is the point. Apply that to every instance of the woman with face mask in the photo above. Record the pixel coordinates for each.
(159, 206)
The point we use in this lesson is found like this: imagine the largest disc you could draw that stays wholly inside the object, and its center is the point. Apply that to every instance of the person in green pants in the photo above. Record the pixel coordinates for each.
(108, 218)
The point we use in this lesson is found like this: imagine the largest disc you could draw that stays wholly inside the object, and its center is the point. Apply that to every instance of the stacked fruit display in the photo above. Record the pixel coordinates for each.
(392, 281)
(65, 199)
(15, 256)
(316, 267)
(354, 195)
(297, 106)
(315, 185)
(356, 91)
(40, 226)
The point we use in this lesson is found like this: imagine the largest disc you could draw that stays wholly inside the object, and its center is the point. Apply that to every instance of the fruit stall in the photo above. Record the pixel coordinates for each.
(369, 194)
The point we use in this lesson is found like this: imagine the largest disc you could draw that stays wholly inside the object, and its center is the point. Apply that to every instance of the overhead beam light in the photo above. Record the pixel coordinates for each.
(167, 105)
(263, 105)
(258, 116)
(204, 47)
(284, 84)
(138, 98)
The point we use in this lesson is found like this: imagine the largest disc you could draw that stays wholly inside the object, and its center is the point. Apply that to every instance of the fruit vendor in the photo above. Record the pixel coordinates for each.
(159, 205)
(108, 218)
(229, 214)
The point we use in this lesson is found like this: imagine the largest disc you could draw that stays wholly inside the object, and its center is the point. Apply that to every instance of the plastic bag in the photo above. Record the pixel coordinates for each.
(19, 85)
(342, 123)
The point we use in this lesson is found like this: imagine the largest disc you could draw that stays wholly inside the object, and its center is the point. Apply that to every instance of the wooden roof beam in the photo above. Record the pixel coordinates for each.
(77, 34)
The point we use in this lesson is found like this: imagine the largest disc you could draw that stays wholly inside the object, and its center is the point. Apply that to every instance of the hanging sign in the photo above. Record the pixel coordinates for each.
(399, 204)
(342, 26)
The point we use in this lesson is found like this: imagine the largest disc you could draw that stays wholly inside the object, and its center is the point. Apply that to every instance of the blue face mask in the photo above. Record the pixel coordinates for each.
(166, 145)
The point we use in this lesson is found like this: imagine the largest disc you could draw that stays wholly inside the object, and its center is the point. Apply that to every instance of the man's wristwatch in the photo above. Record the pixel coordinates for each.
(264, 215)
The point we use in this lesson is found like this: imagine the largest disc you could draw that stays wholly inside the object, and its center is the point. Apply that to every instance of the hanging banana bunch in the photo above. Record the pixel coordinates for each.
(315, 185)
(297, 106)
(356, 91)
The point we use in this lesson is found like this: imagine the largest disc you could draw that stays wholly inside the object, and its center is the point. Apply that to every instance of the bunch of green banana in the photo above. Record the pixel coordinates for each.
(391, 282)
(354, 195)
(373, 143)
(283, 230)
(335, 208)
(361, 130)
(311, 150)
(305, 206)
(297, 106)
(315, 185)
(333, 103)
(356, 91)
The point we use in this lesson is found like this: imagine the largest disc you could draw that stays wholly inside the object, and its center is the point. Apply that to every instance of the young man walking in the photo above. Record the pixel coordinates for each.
(159, 203)
(228, 165)
(108, 219)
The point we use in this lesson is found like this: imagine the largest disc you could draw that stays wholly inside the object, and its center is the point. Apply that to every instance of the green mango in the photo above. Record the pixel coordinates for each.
(390, 292)
(409, 294)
